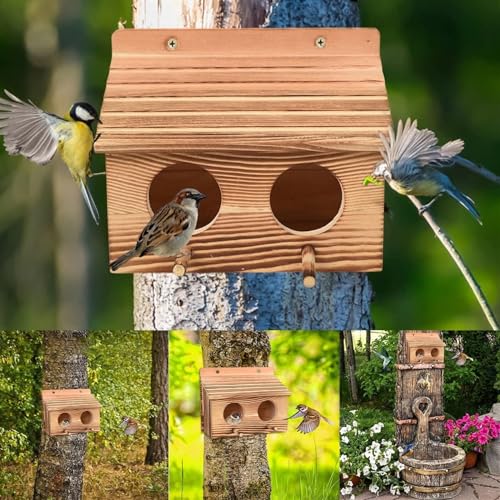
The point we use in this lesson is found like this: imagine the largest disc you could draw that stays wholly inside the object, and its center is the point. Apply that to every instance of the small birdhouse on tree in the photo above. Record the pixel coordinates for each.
(278, 127)
(69, 411)
(236, 401)
(420, 372)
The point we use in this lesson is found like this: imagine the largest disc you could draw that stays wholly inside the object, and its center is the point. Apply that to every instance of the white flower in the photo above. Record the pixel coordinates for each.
(354, 412)
(349, 484)
(406, 488)
(376, 428)
(346, 491)
(366, 470)
(344, 458)
(374, 488)
(345, 439)
(399, 465)
(354, 423)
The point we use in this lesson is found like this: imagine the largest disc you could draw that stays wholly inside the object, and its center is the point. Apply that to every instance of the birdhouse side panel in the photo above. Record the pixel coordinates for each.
(70, 421)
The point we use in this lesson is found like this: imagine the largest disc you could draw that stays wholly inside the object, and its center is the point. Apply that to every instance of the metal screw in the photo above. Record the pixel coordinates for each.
(172, 43)
(320, 42)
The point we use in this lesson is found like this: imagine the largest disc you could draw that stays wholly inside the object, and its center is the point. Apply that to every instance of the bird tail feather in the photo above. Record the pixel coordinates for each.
(87, 196)
(122, 259)
(466, 202)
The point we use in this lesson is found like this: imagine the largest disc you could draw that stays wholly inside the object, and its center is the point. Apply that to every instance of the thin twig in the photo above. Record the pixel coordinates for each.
(448, 244)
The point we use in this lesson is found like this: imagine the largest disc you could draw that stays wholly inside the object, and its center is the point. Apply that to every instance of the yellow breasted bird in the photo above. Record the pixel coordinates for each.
(37, 135)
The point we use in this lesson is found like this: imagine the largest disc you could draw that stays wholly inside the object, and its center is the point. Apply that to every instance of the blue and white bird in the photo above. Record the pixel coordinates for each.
(385, 357)
(413, 161)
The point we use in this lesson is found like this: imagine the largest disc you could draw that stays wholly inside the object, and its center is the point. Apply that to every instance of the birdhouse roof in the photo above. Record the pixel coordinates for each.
(424, 339)
(314, 89)
(62, 399)
(228, 383)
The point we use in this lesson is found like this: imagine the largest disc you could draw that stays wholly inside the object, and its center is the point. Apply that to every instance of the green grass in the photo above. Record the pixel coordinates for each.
(303, 467)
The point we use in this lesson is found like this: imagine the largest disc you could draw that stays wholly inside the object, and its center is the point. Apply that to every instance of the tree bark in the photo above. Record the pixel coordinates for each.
(61, 461)
(236, 468)
(351, 367)
(342, 354)
(249, 301)
(157, 450)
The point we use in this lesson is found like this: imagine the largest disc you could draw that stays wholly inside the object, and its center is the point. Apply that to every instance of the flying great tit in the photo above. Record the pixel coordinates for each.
(37, 135)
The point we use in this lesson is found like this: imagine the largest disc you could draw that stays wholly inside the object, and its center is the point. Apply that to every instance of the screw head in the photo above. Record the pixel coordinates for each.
(172, 43)
(320, 42)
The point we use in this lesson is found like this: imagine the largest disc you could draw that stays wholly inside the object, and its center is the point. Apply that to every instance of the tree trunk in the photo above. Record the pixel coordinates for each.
(236, 468)
(351, 367)
(249, 301)
(342, 354)
(59, 473)
(158, 422)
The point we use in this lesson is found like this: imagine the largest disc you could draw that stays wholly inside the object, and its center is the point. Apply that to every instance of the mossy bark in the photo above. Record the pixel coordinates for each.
(61, 460)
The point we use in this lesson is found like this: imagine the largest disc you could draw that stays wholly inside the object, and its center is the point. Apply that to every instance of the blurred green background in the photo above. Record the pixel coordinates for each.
(441, 65)
(302, 466)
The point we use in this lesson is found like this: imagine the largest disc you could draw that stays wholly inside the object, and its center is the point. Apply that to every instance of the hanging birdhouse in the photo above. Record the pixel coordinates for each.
(237, 401)
(278, 127)
(420, 373)
(69, 411)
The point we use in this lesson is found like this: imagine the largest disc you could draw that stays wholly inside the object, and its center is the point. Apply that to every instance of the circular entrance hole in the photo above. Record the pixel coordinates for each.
(64, 419)
(419, 353)
(435, 352)
(167, 183)
(266, 410)
(307, 199)
(233, 413)
(86, 417)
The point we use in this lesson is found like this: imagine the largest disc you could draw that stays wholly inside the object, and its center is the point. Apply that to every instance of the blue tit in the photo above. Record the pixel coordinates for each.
(413, 162)
(37, 135)
(310, 419)
(384, 356)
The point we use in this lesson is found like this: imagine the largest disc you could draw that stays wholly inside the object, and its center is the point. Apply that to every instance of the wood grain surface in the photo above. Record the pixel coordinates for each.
(246, 105)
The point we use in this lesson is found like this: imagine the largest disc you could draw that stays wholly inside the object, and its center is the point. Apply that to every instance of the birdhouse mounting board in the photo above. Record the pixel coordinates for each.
(278, 131)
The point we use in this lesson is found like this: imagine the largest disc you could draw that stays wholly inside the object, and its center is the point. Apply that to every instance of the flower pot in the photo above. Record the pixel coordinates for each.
(470, 459)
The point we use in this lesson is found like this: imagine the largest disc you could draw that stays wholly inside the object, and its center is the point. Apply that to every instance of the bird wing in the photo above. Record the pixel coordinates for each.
(168, 222)
(410, 144)
(327, 420)
(299, 414)
(309, 424)
(28, 130)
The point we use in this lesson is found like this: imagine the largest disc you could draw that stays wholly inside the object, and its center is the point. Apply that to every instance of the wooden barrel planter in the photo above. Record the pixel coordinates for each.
(437, 477)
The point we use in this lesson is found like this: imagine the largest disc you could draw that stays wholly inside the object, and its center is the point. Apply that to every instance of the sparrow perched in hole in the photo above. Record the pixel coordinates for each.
(310, 419)
(169, 230)
(129, 426)
(233, 418)
(38, 135)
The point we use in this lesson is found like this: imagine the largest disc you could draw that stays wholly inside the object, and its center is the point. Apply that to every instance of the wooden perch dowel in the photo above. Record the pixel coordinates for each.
(309, 266)
(181, 263)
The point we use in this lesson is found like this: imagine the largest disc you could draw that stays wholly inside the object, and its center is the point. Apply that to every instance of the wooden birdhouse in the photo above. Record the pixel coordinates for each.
(236, 401)
(424, 347)
(420, 373)
(278, 127)
(69, 411)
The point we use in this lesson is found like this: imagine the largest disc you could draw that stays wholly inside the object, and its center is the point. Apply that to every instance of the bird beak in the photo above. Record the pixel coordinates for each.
(99, 120)
(199, 196)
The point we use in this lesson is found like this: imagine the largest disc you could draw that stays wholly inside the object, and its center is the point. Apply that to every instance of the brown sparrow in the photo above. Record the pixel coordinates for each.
(461, 358)
(129, 426)
(310, 419)
(234, 418)
(169, 230)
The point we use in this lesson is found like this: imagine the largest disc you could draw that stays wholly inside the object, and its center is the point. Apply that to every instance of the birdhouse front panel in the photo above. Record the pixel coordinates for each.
(278, 127)
(237, 401)
(69, 411)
